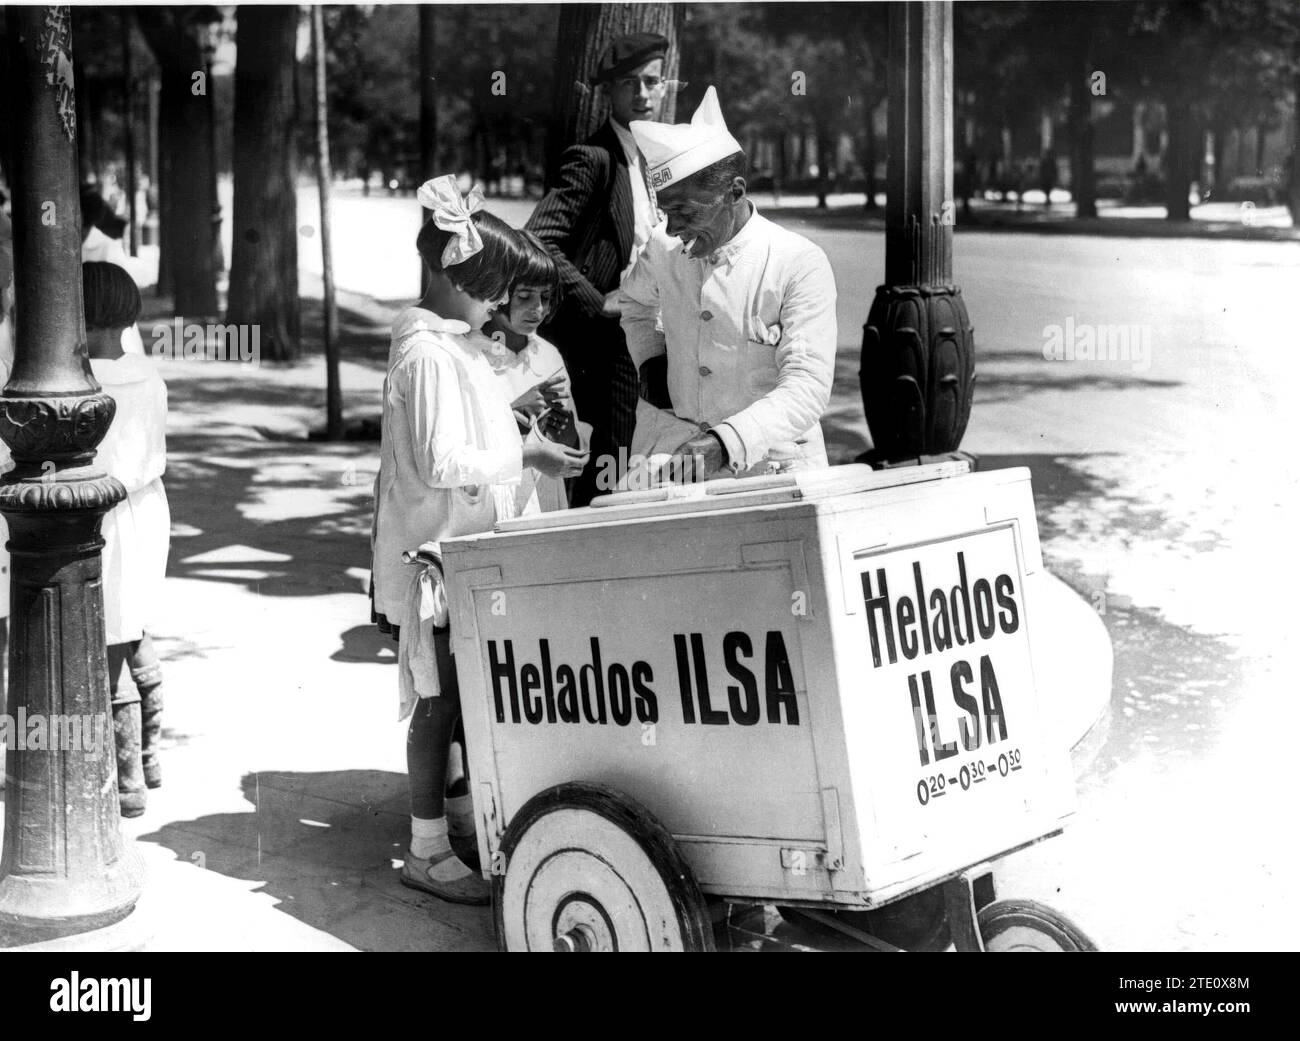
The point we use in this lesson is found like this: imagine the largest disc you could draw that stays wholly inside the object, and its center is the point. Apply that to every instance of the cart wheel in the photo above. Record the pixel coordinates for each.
(588, 869)
(1024, 925)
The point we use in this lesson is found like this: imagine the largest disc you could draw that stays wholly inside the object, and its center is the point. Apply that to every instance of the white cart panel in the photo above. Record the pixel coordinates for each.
(711, 655)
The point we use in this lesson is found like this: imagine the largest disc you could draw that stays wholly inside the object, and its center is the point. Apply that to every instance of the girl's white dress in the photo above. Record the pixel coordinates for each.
(521, 372)
(137, 531)
(450, 459)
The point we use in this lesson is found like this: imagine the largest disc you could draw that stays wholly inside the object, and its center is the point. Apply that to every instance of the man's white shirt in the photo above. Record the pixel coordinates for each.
(643, 209)
(749, 331)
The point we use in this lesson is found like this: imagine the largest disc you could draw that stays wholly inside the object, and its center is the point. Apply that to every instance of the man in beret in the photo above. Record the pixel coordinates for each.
(595, 221)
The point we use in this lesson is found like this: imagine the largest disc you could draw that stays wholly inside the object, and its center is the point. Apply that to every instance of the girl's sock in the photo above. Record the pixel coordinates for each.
(428, 840)
(428, 837)
(460, 814)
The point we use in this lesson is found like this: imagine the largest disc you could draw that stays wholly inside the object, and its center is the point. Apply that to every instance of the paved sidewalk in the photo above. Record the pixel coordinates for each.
(284, 808)
(285, 800)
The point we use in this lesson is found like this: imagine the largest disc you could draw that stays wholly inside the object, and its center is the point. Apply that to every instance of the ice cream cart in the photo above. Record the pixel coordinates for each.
(812, 690)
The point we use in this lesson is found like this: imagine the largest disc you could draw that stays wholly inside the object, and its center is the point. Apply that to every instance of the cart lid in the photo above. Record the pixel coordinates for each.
(737, 493)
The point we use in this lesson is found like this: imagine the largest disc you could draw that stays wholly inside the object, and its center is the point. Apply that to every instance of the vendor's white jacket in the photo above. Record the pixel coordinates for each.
(749, 332)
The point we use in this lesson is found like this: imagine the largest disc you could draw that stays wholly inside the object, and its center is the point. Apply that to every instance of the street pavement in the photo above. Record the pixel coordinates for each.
(1163, 489)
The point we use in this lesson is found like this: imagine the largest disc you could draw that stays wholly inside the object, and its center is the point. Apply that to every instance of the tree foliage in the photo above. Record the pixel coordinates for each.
(803, 70)
(494, 84)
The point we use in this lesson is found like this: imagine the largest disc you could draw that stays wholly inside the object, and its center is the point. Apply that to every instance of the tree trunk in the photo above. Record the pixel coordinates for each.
(782, 165)
(1083, 184)
(264, 260)
(428, 109)
(218, 256)
(1220, 184)
(822, 136)
(185, 166)
(185, 196)
(869, 158)
(1261, 139)
(153, 221)
(85, 126)
(1176, 164)
(333, 388)
(128, 126)
(585, 31)
(1293, 181)
(480, 150)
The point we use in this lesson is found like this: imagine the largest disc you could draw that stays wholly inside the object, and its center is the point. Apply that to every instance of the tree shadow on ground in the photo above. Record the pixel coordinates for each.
(245, 512)
(324, 846)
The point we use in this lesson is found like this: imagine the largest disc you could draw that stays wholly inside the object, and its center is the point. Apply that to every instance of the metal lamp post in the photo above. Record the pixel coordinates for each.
(918, 348)
(65, 870)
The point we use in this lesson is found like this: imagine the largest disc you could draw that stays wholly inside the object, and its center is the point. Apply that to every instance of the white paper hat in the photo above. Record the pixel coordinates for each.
(675, 151)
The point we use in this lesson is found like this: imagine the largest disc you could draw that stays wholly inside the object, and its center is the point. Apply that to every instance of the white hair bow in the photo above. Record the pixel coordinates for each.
(452, 212)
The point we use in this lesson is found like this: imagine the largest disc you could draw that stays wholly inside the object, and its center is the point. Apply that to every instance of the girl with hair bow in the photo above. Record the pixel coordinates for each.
(450, 459)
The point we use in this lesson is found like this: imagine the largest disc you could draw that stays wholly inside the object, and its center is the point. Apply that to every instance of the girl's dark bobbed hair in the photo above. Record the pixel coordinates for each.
(111, 298)
(538, 268)
(490, 272)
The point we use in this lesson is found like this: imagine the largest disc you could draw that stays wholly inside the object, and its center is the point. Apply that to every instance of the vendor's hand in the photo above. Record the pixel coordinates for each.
(611, 308)
(694, 460)
(554, 460)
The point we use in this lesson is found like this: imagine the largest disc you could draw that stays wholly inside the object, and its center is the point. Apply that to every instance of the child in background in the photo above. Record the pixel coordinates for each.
(101, 240)
(533, 371)
(137, 531)
(450, 458)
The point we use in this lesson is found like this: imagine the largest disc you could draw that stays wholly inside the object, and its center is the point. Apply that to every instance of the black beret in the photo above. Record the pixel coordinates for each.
(627, 53)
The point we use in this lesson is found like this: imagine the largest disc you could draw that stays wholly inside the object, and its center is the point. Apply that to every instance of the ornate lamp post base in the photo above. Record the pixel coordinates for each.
(918, 371)
(65, 868)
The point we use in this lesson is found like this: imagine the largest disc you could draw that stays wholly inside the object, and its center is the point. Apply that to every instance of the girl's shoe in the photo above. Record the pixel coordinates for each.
(466, 847)
(471, 889)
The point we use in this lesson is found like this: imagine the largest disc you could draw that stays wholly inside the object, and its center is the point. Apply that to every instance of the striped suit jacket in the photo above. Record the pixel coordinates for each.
(586, 222)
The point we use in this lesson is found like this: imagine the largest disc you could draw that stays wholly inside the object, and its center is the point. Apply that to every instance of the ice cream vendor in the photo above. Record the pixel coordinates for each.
(748, 313)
